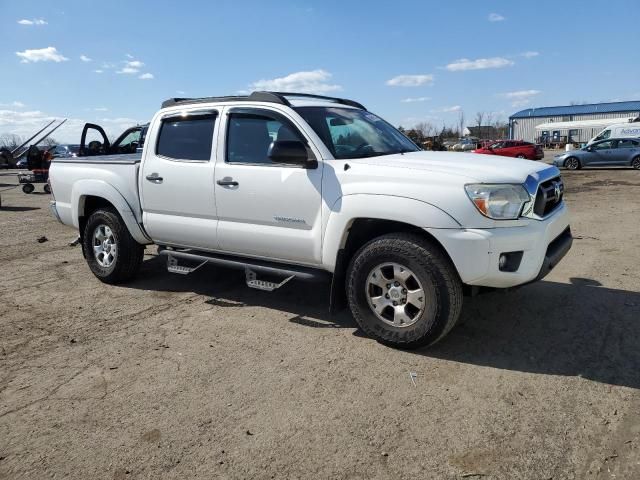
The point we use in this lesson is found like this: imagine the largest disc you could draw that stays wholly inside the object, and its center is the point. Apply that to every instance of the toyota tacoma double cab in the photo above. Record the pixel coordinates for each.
(291, 186)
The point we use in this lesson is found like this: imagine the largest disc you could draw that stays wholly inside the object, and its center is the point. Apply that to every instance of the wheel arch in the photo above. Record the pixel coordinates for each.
(360, 231)
(90, 195)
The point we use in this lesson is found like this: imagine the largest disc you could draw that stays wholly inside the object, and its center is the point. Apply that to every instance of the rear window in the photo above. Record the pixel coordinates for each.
(186, 138)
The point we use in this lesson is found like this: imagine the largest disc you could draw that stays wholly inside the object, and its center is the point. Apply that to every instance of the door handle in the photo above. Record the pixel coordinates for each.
(154, 177)
(227, 182)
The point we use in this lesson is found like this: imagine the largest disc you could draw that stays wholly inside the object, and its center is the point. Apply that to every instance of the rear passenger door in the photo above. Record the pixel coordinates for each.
(176, 181)
(626, 151)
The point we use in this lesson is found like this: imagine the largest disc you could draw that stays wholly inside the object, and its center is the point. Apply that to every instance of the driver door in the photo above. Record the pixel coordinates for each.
(601, 153)
(266, 209)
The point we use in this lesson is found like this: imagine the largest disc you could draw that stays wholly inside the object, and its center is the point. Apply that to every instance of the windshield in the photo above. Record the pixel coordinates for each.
(352, 133)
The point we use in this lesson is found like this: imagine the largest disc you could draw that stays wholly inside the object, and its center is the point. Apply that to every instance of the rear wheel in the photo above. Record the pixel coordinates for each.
(403, 291)
(635, 163)
(28, 188)
(520, 156)
(572, 163)
(112, 253)
(47, 188)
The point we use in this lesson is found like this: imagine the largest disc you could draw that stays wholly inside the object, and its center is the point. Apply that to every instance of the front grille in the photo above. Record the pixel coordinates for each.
(548, 197)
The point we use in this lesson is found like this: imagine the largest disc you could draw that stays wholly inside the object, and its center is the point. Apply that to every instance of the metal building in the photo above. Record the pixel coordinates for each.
(571, 123)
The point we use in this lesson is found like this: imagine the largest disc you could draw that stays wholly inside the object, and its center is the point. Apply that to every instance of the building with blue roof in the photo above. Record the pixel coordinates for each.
(569, 123)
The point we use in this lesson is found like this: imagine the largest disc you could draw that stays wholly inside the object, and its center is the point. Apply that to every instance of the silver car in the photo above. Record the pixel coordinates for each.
(610, 152)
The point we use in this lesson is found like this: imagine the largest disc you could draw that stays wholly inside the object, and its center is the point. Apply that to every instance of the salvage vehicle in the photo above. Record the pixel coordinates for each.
(297, 186)
(513, 148)
(621, 152)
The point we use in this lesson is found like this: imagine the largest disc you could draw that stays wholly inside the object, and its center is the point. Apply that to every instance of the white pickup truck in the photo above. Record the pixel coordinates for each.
(295, 186)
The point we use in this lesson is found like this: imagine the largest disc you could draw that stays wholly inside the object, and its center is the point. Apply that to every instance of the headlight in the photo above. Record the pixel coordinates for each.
(499, 201)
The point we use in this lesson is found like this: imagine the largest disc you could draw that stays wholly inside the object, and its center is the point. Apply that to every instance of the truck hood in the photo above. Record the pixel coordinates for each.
(472, 167)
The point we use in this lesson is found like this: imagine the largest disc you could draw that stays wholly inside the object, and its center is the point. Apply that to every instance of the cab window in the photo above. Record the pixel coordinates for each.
(250, 132)
(186, 138)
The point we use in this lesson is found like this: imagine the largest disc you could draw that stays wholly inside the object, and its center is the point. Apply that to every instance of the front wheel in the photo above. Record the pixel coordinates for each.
(403, 291)
(572, 163)
(112, 253)
(635, 163)
(28, 188)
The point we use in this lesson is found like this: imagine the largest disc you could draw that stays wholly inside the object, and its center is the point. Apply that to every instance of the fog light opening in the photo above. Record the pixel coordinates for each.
(510, 261)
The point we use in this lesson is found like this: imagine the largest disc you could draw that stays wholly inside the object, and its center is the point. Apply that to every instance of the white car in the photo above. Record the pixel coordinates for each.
(307, 187)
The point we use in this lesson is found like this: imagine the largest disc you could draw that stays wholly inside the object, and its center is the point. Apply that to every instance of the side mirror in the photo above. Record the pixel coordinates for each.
(289, 152)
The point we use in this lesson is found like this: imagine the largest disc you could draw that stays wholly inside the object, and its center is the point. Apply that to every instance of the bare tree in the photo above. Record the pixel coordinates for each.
(10, 140)
(425, 128)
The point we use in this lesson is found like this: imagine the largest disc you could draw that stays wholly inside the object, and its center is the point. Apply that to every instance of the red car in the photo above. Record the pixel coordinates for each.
(513, 148)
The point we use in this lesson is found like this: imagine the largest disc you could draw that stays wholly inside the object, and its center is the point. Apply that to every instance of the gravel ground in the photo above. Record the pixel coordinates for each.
(199, 377)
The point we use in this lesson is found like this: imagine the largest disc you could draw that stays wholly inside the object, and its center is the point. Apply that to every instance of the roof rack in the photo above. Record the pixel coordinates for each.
(270, 97)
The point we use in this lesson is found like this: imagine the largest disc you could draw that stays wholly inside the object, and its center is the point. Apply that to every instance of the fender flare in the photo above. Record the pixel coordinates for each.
(349, 208)
(101, 189)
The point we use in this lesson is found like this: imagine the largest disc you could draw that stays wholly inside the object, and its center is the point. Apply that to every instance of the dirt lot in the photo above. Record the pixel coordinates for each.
(200, 377)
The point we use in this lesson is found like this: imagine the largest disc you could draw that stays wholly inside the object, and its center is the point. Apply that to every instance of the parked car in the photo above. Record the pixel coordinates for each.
(513, 148)
(612, 152)
(22, 163)
(64, 151)
(465, 145)
(619, 130)
(300, 186)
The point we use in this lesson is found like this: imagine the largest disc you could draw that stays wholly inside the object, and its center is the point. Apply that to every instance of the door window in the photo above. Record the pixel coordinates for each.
(603, 145)
(129, 143)
(250, 133)
(186, 138)
(628, 144)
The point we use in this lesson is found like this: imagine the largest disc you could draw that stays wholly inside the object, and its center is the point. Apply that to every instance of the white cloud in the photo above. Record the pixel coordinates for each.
(146, 76)
(520, 98)
(128, 55)
(101, 109)
(98, 71)
(314, 81)
(131, 67)
(496, 17)
(180, 92)
(410, 80)
(25, 123)
(84, 58)
(14, 104)
(478, 64)
(415, 99)
(452, 109)
(529, 54)
(35, 21)
(49, 54)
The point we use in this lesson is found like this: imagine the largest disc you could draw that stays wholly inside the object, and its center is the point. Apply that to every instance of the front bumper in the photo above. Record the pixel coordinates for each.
(476, 252)
(54, 210)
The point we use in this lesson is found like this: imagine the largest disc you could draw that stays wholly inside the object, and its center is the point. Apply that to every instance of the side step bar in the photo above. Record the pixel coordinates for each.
(249, 265)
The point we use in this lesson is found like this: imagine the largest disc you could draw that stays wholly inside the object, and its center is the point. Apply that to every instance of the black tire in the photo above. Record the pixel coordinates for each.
(129, 253)
(47, 188)
(28, 188)
(635, 163)
(572, 163)
(430, 267)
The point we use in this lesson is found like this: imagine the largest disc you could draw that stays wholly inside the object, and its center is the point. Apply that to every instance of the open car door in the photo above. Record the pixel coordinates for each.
(94, 147)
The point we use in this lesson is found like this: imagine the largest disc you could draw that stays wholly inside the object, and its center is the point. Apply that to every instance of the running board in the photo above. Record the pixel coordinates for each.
(251, 267)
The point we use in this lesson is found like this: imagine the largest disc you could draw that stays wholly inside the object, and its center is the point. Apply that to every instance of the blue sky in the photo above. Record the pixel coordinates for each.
(113, 62)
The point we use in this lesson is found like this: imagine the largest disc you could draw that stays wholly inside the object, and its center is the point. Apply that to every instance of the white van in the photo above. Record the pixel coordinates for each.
(619, 130)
